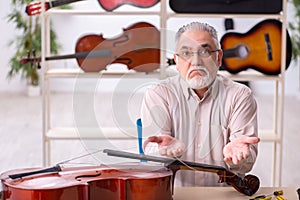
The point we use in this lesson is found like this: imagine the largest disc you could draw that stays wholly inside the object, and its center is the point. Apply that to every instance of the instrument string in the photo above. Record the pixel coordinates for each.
(185, 164)
(80, 156)
(92, 153)
(194, 169)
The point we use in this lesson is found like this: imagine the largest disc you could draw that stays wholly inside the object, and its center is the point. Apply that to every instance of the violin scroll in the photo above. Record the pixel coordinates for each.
(247, 185)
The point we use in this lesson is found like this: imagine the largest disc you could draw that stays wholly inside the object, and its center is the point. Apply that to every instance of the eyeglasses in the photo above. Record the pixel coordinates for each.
(205, 53)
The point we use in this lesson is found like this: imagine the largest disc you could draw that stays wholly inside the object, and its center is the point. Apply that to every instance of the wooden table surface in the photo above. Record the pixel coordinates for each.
(228, 193)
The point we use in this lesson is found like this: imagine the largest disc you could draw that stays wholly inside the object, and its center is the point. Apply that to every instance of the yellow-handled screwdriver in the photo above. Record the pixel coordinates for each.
(277, 194)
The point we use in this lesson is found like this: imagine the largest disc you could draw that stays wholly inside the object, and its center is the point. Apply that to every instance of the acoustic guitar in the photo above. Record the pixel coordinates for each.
(35, 7)
(110, 5)
(259, 49)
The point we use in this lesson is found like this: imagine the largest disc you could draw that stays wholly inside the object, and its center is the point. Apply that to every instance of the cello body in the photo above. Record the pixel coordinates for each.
(91, 183)
(138, 47)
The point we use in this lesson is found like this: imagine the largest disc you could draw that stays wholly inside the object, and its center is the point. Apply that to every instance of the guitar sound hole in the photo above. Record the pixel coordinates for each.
(242, 51)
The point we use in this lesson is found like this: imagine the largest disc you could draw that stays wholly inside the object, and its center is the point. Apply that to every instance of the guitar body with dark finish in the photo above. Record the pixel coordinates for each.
(227, 6)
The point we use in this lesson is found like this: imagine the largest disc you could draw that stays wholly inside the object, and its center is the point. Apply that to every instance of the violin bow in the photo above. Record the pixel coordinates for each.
(247, 185)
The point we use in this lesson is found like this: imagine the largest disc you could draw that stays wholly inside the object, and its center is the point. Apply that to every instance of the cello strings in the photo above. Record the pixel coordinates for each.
(81, 156)
(194, 169)
(84, 155)
(101, 150)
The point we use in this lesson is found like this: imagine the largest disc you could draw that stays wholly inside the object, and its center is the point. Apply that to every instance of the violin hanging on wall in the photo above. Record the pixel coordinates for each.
(35, 7)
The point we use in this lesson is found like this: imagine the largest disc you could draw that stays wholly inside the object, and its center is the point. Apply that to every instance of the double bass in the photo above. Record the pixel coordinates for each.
(138, 181)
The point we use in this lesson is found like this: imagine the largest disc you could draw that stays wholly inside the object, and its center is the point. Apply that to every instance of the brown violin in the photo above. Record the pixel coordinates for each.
(123, 182)
(138, 48)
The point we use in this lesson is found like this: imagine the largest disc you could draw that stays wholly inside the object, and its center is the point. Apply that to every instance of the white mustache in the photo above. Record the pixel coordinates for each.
(198, 68)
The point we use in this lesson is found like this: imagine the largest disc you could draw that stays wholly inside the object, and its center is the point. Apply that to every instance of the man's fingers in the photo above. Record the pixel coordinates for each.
(156, 139)
(163, 151)
(167, 145)
(173, 152)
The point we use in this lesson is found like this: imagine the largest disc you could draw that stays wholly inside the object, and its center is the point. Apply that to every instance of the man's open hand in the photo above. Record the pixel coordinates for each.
(238, 149)
(167, 145)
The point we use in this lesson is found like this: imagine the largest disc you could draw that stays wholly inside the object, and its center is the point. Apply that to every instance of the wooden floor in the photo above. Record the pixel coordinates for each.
(21, 133)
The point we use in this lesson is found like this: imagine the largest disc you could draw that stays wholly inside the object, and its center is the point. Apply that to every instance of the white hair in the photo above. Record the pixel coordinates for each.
(198, 26)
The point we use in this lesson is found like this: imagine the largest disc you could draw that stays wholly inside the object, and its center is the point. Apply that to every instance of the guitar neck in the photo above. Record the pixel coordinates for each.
(61, 3)
(239, 51)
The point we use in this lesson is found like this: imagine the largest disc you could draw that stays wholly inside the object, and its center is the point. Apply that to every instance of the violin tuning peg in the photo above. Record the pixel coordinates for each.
(33, 52)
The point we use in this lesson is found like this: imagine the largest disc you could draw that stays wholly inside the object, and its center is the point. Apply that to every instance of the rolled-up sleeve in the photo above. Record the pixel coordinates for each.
(243, 122)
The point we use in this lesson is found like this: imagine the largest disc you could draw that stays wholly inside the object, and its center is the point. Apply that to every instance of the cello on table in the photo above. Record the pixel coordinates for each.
(137, 181)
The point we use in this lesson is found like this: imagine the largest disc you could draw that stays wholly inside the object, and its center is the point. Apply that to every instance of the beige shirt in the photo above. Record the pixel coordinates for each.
(205, 125)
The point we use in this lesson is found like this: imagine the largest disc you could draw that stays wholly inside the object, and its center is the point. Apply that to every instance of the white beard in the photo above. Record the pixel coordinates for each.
(199, 82)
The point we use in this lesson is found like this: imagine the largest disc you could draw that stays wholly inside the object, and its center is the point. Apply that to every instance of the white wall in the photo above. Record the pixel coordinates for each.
(70, 28)
(7, 33)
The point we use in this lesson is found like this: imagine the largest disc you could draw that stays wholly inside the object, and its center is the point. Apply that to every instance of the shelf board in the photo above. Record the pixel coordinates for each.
(63, 133)
(71, 73)
(71, 133)
(98, 12)
(250, 75)
(206, 15)
(268, 136)
(169, 14)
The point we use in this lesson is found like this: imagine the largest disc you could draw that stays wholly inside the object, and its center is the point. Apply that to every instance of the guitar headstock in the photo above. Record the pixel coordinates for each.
(24, 61)
(32, 60)
(35, 8)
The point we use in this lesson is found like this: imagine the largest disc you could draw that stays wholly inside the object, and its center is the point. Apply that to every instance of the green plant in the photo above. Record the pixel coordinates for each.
(28, 40)
(294, 27)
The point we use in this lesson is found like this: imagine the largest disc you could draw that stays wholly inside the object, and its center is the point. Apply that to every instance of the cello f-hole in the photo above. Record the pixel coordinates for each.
(121, 41)
(80, 177)
(129, 61)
